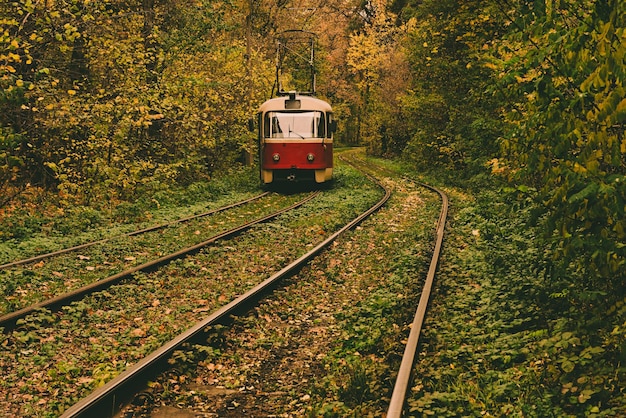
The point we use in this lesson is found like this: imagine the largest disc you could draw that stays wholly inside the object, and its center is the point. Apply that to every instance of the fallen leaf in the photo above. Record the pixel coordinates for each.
(138, 332)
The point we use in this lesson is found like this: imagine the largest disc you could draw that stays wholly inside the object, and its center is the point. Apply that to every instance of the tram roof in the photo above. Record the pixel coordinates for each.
(290, 103)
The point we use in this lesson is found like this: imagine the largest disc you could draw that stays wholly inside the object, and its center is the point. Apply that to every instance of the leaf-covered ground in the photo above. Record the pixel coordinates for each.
(327, 344)
(502, 336)
(53, 359)
(499, 340)
(27, 284)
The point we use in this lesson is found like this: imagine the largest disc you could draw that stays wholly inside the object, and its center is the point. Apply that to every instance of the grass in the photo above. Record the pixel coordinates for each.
(71, 352)
(39, 222)
(503, 336)
(497, 341)
(28, 284)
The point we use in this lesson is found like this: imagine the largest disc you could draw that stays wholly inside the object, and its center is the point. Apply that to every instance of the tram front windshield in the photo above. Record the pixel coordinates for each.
(302, 124)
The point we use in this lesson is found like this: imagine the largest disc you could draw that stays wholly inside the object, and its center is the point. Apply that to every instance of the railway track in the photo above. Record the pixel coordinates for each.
(10, 320)
(32, 281)
(129, 234)
(398, 397)
(95, 338)
(109, 398)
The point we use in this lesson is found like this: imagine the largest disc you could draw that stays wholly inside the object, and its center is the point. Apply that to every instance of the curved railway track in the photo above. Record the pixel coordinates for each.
(398, 397)
(105, 398)
(401, 386)
(109, 399)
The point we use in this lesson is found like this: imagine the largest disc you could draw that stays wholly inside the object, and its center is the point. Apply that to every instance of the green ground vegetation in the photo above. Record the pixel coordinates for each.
(506, 338)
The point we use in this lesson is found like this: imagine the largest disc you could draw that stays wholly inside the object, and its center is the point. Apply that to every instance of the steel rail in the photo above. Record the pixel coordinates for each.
(128, 234)
(9, 321)
(398, 397)
(109, 399)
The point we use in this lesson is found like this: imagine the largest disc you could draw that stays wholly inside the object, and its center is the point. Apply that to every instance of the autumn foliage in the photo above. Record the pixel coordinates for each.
(102, 99)
(534, 92)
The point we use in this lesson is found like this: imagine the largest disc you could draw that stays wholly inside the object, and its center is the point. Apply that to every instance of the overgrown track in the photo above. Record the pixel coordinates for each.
(176, 299)
(9, 321)
(107, 400)
(399, 394)
(129, 234)
(398, 398)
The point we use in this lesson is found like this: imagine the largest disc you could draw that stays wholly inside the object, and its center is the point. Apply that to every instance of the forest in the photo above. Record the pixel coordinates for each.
(104, 100)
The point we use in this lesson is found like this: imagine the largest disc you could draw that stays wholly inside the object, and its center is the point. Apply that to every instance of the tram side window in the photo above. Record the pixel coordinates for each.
(329, 132)
(271, 126)
(320, 132)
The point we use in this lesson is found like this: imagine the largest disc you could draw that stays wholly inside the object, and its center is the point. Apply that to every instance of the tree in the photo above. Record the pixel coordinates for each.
(102, 98)
(454, 122)
(563, 68)
(378, 68)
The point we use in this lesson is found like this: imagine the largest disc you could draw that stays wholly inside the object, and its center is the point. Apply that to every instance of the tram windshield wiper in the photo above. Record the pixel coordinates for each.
(294, 132)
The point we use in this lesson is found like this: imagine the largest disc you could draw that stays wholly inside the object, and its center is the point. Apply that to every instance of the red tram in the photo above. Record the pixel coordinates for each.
(295, 139)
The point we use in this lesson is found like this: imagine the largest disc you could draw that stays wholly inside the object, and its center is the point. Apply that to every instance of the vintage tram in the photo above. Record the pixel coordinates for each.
(295, 129)
(295, 135)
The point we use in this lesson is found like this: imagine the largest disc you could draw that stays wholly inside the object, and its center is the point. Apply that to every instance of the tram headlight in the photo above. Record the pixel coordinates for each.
(310, 157)
(276, 157)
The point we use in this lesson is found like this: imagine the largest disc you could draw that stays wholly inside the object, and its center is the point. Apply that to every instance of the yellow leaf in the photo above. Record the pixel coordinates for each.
(71, 92)
(579, 168)
(620, 112)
